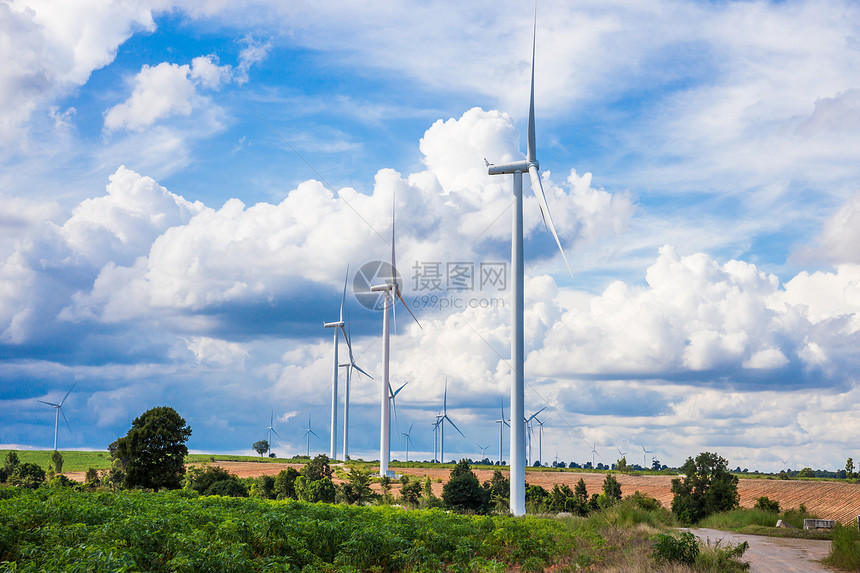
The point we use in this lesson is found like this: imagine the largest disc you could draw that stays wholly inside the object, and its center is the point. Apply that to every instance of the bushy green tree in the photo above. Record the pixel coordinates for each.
(410, 492)
(57, 458)
(317, 469)
(27, 475)
(215, 480)
(611, 489)
(153, 452)
(463, 492)
(806, 473)
(285, 484)
(428, 498)
(500, 491)
(622, 467)
(581, 492)
(357, 488)
(706, 487)
(9, 465)
(849, 468)
(765, 504)
(321, 490)
(260, 447)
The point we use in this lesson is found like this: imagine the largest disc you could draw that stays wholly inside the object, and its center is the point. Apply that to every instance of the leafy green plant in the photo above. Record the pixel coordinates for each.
(681, 549)
(845, 548)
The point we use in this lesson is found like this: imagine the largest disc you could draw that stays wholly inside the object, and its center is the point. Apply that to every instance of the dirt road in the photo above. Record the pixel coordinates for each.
(774, 554)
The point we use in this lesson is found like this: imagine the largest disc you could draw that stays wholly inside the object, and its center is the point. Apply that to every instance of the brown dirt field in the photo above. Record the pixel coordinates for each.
(826, 499)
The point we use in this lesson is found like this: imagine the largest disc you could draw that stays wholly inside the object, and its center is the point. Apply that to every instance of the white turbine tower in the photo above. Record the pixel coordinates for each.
(308, 433)
(436, 437)
(502, 422)
(593, 453)
(530, 165)
(529, 432)
(442, 419)
(350, 366)
(540, 424)
(391, 292)
(59, 410)
(644, 455)
(338, 326)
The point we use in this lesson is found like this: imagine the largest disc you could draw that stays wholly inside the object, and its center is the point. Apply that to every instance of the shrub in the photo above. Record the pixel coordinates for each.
(765, 504)
(611, 489)
(463, 492)
(845, 548)
(681, 549)
(285, 484)
(27, 475)
(214, 480)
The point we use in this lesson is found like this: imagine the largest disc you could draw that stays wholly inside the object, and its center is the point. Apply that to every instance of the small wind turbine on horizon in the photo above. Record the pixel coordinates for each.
(502, 422)
(308, 433)
(271, 429)
(529, 432)
(391, 291)
(442, 420)
(483, 449)
(408, 437)
(59, 410)
(644, 456)
(593, 453)
(516, 169)
(350, 366)
(338, 326)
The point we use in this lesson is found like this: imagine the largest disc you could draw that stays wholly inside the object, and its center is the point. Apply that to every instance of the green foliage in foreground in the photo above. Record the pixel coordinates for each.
(760, 522)
(702, 557)
(57, 529)
(845, 549)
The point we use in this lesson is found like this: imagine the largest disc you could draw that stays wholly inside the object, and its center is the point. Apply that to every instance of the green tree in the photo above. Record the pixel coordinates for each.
(428, 498)
(500, 491)
(317, 469)
(57, 458)
(27, 475)
(849, 468)
(9, 466)
(611, 489)
(410, 493)
(706, 487)
(621, 466)
(261, 447)
(285, 484)
(153, 452)
(806, 473)
(214, 480)
(581, 492)
(463, 492)
(357, 488)
(765, 504)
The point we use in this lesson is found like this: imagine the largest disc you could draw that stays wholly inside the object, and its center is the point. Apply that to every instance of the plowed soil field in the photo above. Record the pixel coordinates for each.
(826, 499)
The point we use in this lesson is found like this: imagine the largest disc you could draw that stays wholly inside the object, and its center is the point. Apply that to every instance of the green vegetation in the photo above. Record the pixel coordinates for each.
(60, 529)
(702, 557)
(706, 487)
(762, 522)
(73, 461)
(845, 549)
(152, 454)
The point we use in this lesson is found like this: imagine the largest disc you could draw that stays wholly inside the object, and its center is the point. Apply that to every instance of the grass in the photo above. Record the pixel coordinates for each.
(759, 522)
(73, 460)
(845, 549)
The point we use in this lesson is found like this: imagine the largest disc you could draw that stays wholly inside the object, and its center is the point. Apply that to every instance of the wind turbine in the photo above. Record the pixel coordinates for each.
(407, 435)
(484, 449)
(442, 419)
(529, 431)
(337, 326)
(644, 454)
(593, 452)
(530, 165)
(391, 292)
(271, 429)
(308, 433)
(502, 422)
(394, 394)
(350, 366)
(435, 437)
(540, 424)
(59, 410)
(620, 453)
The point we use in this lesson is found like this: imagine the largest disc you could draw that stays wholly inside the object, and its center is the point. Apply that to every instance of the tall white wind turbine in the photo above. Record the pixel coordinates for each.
(59, 410)
(271, 429)
(644, 456)
(308, 433)
(516, 169)
(338, 326)
(408, 436)
(391, 292)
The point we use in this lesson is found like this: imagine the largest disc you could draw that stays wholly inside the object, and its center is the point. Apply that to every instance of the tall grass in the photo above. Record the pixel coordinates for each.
(845, 549)
(747, 518)
(73, 460)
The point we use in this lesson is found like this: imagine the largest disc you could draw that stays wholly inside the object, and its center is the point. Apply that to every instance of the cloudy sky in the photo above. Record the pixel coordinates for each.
(183, 185)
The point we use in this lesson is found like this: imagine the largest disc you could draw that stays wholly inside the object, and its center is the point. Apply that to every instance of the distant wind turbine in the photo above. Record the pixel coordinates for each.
(393, 398)
(529, 432)
(308, 433)
(391, 292)
(350, 366)
(271, 429)
(59, 410)
(483, 449)
(530, 165)
(540, 424)
(620, 453)
(644, 454)
(408, 435)
(593, 453)
(502, 422)
(442, 420)
(337, 326)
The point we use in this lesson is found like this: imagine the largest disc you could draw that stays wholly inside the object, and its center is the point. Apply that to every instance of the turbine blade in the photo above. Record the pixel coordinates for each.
(537, 187)
(67, 393)
(343, 298)
(67, 421)
(455, 426)
(314, 433)
(396, 392)
(531, 152)
(406, 306)
(49, 403)
(274, 431)
(362, 371)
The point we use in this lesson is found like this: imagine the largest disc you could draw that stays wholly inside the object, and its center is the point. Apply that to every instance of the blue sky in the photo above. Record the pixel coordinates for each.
(184, 184)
